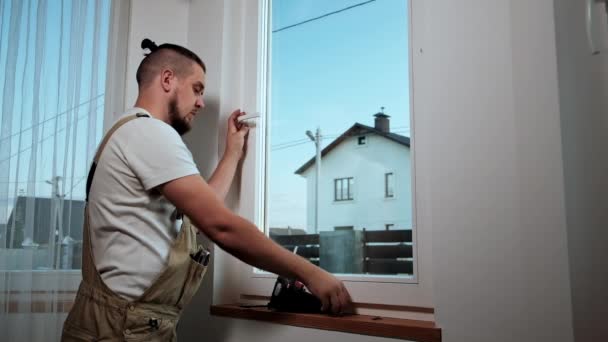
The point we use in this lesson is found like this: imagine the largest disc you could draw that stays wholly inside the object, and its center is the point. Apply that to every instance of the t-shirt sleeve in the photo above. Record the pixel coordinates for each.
(156, 153)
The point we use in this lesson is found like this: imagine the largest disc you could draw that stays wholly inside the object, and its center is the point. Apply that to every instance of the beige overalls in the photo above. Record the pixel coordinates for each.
(99, 314)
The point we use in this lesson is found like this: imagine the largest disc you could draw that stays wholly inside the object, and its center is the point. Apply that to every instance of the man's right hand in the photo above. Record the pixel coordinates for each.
(330, 290)
(236, 136)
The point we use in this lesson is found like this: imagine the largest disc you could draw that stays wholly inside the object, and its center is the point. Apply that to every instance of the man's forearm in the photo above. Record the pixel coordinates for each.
(243, 240)
(222, 177)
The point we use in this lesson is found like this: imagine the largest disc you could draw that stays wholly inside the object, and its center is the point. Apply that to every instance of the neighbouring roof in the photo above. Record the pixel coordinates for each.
(356, 130)
(72, 213)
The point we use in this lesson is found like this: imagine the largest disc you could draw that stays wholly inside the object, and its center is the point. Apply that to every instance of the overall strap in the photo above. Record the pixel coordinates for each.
(105, 140)
(90, 274)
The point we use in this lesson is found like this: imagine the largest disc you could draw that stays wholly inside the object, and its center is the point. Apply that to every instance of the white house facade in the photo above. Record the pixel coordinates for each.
(365, 181)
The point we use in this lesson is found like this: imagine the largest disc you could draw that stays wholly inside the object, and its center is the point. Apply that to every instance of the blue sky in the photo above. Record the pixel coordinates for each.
(330, 73)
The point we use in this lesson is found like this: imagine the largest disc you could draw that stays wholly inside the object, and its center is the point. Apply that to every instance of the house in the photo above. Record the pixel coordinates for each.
(365, 180)
(36, 213)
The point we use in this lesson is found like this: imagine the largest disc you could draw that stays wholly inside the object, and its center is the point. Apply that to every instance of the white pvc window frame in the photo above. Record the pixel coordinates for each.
(255, 62)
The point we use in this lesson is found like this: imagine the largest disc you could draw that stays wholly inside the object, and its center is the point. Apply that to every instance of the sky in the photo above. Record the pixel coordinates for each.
(330, 73)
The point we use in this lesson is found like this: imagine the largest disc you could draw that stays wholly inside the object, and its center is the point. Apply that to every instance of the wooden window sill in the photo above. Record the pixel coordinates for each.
(406, 329)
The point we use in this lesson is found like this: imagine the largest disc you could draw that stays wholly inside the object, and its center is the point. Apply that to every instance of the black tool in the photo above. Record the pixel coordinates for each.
(201, 256)
(291, 296)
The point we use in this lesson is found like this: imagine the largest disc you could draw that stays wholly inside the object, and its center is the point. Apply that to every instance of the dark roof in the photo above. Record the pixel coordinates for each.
(42, 219)
(286, 231)
(355, 130)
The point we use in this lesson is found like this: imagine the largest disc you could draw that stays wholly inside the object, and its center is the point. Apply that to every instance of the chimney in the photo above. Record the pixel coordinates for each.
(381, 122)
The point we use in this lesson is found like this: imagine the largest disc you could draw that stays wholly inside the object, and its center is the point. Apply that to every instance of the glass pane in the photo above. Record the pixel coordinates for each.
(389, 185)
(339, 86)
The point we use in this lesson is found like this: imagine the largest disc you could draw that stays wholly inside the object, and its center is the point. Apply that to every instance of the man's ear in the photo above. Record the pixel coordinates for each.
(167, 79)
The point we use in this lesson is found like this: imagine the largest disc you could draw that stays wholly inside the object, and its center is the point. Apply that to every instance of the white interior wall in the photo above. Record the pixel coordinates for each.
(160, 21)
(500, 260)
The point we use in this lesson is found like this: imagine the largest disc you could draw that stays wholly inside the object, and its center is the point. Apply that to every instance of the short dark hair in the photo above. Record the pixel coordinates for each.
(177, 57)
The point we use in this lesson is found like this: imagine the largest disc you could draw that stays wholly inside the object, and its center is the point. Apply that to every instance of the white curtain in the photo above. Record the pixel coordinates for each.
(53, 57)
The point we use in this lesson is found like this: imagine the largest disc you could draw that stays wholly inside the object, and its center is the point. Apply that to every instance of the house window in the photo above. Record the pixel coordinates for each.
(339, 228)
(389, 185)
(343, 189)
(389, 226)
(292, 171)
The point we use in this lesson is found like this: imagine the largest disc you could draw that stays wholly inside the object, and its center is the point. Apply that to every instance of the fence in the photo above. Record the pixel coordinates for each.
(353, 251)
(305, 245)
(388, 252)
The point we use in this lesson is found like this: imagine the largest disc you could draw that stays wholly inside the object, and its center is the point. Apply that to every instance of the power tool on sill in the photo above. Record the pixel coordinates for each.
(292, 296)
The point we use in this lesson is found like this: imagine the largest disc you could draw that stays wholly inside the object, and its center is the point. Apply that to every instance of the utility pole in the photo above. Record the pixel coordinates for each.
(56, 214)
(55, 183)
(317, 140)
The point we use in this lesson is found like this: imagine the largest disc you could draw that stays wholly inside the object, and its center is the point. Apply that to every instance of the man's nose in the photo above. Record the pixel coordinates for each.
(200, 103)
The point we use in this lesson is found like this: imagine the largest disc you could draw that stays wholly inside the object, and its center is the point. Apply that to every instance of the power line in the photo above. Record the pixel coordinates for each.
(74, 186)
(51, 118)
(294, 143)
(290, 142)
(38, 181)
(323, 16)
(288, 146)
(46, 138)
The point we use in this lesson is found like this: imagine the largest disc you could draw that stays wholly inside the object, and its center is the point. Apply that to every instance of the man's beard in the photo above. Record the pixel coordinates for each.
(177, 122)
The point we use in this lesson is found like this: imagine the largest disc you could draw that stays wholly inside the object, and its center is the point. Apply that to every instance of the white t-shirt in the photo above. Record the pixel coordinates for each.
(132, 225)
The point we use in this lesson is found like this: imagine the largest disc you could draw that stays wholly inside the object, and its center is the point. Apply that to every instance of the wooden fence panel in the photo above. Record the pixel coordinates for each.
(388, 252)
(307, 245)
(306, 251)
(387, 236)
(389, 266)
(304, 239)
(383, 251)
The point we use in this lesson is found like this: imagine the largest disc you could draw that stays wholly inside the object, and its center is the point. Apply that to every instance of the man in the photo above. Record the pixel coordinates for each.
(139, 267)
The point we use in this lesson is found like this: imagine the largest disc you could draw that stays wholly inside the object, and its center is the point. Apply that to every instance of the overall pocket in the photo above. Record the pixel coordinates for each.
(196, 272)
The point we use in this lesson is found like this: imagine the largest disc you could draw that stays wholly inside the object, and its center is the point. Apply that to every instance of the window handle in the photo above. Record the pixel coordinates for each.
(249, 119)
(593, 26)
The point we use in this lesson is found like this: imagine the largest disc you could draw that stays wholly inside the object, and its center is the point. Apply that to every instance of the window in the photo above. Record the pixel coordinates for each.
(389, 226)
(361, 140)
(339, 228)
(343, 189)
(320, 46)
(53, 106)
(389, 186)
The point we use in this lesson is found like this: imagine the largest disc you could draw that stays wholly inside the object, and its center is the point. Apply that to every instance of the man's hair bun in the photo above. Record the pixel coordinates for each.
(148, 44)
